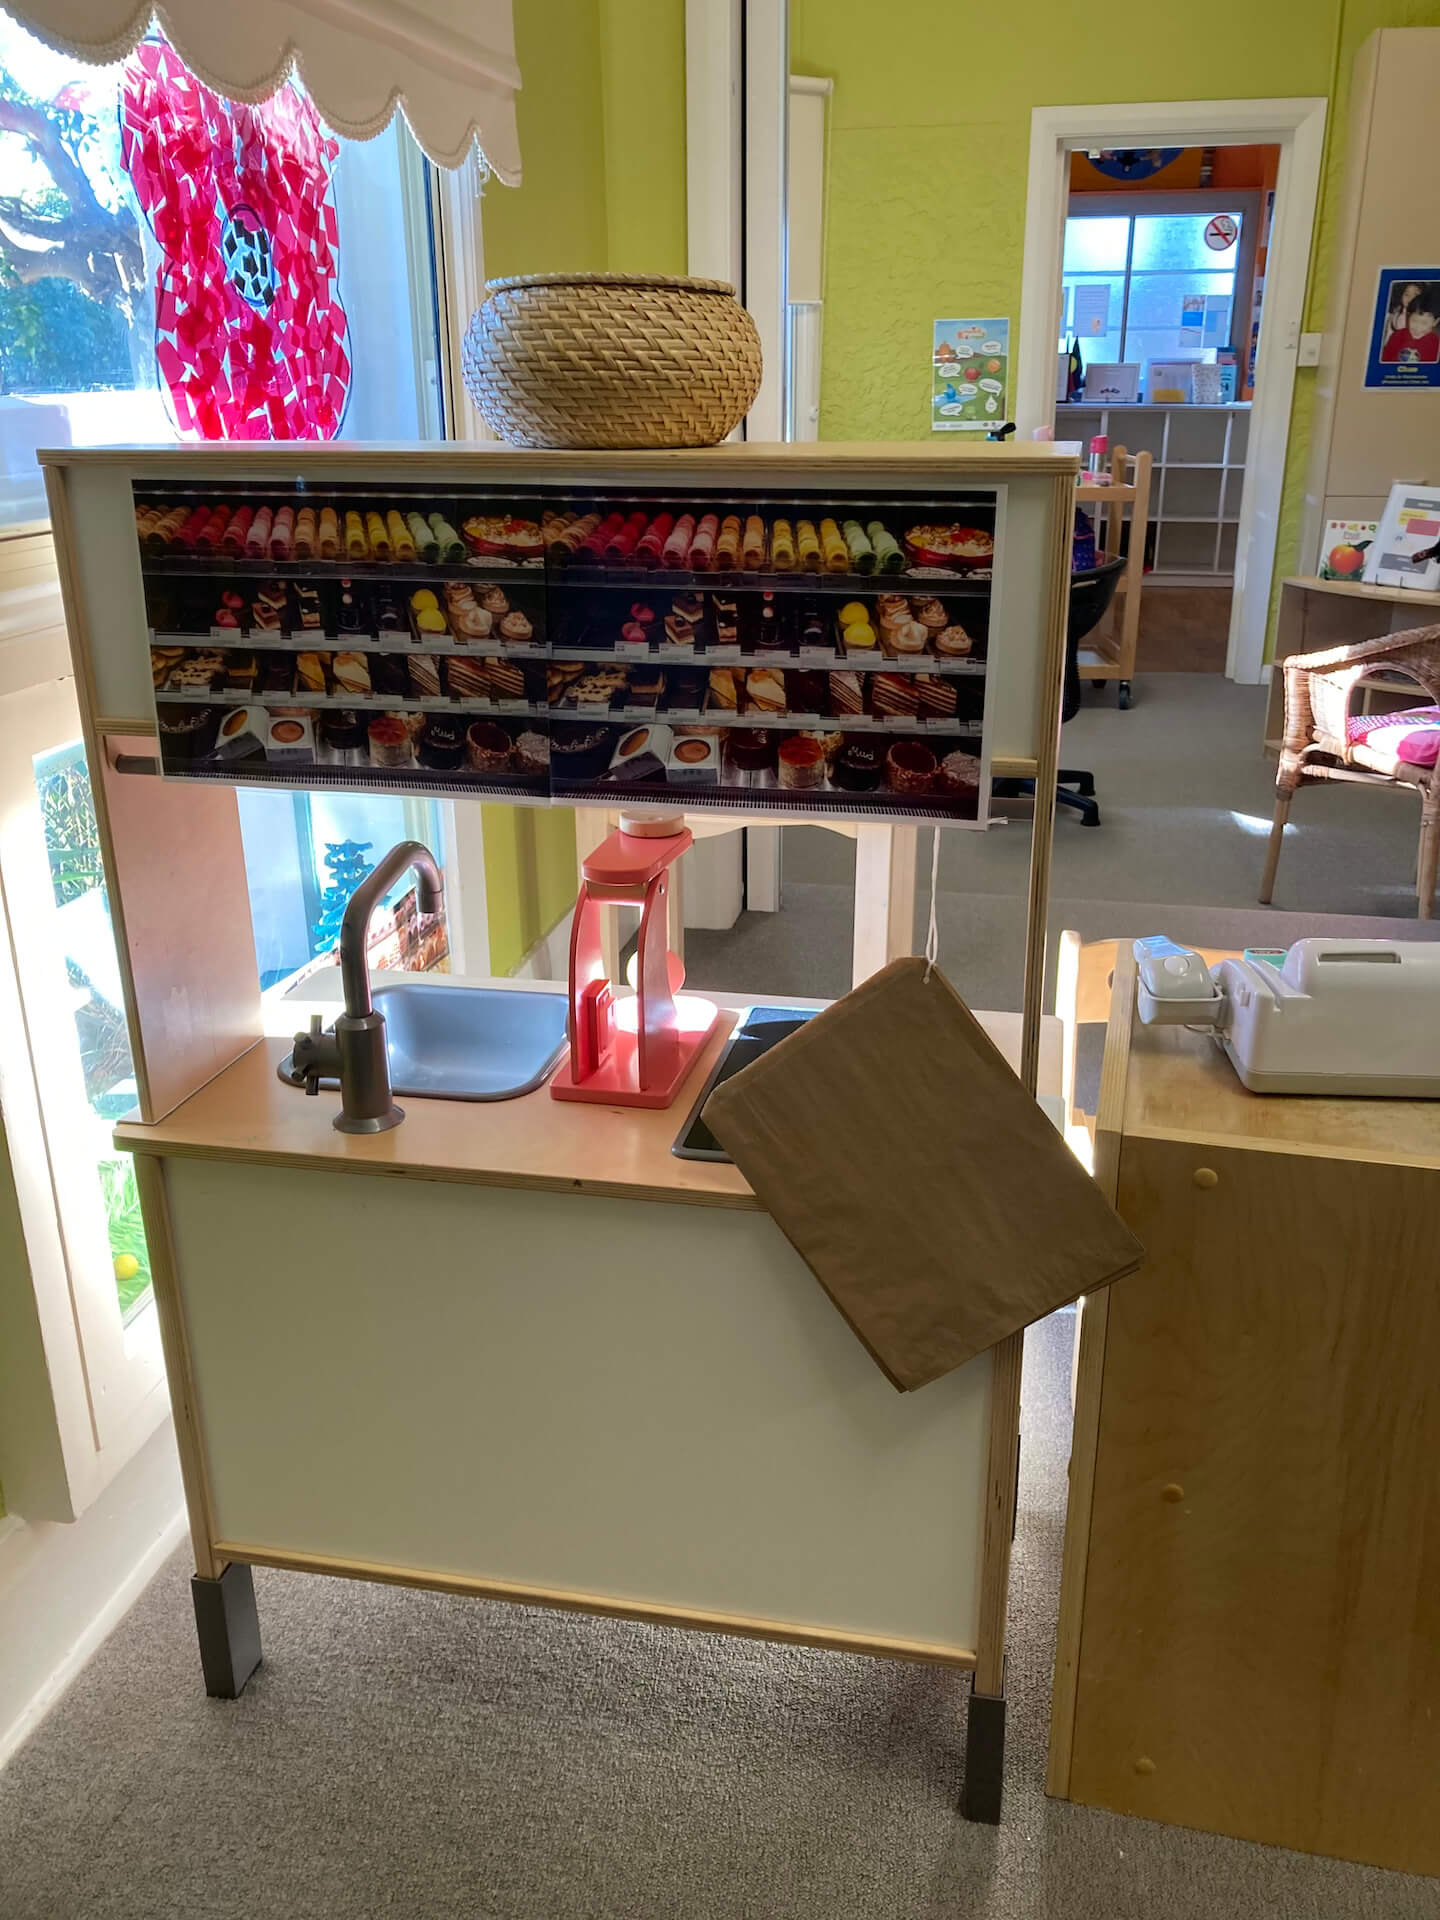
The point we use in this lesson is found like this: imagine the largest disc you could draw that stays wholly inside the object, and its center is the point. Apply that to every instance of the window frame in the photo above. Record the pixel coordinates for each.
(105, 1390)
(80, 1390)
(1202, 200)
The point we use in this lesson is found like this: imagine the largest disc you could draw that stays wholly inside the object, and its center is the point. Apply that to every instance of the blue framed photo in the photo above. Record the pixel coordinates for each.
(1405, 337)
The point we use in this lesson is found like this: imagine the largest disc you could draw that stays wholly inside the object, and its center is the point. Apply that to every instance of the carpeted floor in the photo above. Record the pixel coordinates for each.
(408, 1754)
(415, 1755)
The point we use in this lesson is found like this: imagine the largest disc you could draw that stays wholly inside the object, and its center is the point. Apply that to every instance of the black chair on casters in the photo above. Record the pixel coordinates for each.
(1090, 595)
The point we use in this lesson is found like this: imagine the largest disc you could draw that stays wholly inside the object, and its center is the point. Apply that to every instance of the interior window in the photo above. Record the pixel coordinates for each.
(123, 338)
(1167, 293)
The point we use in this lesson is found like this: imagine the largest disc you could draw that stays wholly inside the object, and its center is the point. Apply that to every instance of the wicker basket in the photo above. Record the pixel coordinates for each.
(611, 360)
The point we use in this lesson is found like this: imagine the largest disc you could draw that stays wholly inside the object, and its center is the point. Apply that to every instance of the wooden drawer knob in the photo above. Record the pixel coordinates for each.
(1206, 1177)
(1173, 1492)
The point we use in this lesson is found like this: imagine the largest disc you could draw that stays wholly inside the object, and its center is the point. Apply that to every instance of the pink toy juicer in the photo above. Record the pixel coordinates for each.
(631, 1052)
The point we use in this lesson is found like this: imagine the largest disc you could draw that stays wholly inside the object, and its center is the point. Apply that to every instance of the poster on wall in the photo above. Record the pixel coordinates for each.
(1092, 308)
(1405, 334)
(823, 657)
(970, 363)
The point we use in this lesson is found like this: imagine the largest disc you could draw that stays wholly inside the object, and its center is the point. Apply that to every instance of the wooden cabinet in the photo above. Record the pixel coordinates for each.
(1250, 1615)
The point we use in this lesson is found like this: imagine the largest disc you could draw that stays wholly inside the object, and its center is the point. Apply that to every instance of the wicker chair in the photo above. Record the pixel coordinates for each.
(1316, 746)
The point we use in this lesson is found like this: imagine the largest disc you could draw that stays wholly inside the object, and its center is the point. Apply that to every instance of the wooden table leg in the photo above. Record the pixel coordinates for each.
(884, 897)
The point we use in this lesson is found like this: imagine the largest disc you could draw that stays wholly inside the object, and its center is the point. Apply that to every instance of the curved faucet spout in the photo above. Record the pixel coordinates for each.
(355, 927)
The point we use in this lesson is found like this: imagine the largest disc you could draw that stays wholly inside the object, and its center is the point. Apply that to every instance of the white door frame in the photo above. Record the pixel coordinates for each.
(737, 110)
(737, 95)
(1297, 127)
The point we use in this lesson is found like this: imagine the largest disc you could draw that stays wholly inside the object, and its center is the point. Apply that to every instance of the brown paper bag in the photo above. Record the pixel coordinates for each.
(907, 1165)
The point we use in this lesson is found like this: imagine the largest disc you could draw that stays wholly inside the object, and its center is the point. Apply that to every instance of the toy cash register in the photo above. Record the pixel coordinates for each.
(1328, 1016)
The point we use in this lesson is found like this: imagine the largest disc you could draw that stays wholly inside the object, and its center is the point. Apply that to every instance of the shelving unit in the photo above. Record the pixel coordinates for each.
(1198, 458)
(1109, 654)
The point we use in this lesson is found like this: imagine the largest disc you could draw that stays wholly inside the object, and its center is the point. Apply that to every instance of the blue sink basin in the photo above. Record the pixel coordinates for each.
(467, 1043)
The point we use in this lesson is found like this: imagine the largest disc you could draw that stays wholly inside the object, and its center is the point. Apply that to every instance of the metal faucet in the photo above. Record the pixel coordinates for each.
(354, 1051)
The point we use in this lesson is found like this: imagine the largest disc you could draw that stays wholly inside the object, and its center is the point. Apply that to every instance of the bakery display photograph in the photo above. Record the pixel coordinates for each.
(829, 654)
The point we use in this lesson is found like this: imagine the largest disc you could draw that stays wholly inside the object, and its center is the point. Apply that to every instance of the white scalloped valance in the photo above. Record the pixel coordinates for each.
(449, 65)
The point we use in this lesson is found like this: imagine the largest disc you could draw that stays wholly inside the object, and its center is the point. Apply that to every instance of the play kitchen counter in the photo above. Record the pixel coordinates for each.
(521, 1350)
(1250, 1613)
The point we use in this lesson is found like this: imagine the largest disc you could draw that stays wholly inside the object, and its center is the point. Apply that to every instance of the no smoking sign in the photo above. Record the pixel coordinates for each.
(1220, 232)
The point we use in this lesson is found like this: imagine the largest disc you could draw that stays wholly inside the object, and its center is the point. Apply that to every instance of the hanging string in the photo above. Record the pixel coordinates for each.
(932, 934)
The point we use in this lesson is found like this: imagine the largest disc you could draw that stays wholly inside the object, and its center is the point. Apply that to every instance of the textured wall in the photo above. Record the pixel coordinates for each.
(642, 72)
(555, 220)
(930, 133)
(929, 148)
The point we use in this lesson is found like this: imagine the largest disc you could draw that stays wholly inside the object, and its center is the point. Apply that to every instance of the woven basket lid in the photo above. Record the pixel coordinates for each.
(608, 280)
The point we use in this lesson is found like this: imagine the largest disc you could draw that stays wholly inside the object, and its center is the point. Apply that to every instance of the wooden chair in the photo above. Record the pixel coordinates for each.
(1316, 745)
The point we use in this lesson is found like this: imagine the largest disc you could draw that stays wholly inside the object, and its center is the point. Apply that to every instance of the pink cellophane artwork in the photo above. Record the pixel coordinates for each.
(250, 335)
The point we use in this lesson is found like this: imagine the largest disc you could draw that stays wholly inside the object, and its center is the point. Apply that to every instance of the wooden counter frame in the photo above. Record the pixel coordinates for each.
(1249, 1631)
(176, 1053)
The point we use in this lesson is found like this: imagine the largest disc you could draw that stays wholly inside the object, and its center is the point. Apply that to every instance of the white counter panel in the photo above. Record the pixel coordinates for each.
(606, 1397)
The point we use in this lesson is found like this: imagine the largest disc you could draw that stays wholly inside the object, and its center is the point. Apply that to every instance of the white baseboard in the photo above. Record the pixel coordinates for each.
(65, 1588)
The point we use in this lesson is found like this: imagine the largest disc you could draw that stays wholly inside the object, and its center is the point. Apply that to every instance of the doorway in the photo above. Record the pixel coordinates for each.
(1161, 304)
(1241, 536)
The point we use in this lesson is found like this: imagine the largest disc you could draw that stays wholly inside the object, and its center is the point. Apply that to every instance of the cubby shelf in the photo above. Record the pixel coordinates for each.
(1199, 469)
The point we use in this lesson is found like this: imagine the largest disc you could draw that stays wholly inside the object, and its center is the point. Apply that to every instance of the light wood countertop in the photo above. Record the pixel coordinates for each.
(247, 1114)
(730, 462)
(1180, 1085)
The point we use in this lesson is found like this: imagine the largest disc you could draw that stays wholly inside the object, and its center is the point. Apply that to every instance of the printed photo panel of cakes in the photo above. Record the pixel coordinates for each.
(640, 626)
(509, 756)
(641, 755)
(580, 752)
(187, 734)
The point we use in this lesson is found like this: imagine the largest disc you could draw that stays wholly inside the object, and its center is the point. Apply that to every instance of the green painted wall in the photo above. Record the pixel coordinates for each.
(929, 151)
(602, 143)
(555, 220)
(642, 52)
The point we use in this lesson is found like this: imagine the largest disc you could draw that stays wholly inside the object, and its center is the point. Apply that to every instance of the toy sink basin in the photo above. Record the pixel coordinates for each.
(465, 1043)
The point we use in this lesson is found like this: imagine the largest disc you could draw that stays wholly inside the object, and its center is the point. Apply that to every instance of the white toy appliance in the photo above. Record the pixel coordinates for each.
(1328, 1016)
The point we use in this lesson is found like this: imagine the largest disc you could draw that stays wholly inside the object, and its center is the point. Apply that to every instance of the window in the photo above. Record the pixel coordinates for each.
(1164, 292)
(90, 151)
(305, 853)
(65, 1074)
(97, 1006)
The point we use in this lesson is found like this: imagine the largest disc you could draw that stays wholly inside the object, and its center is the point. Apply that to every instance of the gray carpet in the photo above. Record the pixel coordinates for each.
(408, 1754)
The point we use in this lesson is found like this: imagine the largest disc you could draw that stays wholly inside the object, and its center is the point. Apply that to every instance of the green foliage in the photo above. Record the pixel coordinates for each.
(127, 1229)
(72, 836)
(71, 260)
(55, 339)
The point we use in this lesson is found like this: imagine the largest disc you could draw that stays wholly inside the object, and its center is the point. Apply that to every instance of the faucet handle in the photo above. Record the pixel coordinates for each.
(314, 1056)
(312, 1070)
